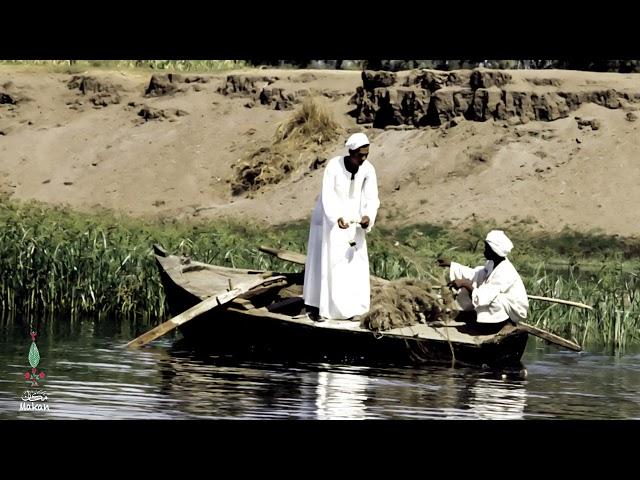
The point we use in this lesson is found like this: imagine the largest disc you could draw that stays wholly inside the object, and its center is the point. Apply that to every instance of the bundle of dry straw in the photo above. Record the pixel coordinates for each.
(406, 302)
(296, 146)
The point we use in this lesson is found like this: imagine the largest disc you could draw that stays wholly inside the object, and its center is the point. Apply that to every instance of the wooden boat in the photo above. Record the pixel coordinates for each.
(270, 321)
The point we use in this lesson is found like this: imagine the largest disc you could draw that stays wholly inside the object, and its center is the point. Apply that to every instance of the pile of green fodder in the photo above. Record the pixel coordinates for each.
(296, 144)
(406, 302)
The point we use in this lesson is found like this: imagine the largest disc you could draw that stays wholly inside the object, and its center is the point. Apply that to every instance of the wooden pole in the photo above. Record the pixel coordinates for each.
(557, 300)
(549, 337)
(198, 309)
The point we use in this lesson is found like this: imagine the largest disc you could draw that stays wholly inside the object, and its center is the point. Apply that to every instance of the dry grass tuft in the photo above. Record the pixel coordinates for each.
(296, 145)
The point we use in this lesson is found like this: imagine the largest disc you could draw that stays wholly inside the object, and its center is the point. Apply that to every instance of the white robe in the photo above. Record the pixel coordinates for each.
(498, 293)
(336, 278)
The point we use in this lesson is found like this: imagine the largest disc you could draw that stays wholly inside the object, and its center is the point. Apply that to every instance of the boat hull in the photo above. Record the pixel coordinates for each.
(235, 333)
(230, 329)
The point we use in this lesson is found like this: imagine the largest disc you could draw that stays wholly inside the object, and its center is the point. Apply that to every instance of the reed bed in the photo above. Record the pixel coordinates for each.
(54, 262)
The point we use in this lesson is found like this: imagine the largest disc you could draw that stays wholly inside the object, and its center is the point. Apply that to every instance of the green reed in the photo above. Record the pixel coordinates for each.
(52, 260)
(611, 290)
(56, 261)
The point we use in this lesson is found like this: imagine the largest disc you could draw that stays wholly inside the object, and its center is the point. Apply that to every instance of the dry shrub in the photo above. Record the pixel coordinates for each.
(310, 125)
(406, 302)
(296, 144)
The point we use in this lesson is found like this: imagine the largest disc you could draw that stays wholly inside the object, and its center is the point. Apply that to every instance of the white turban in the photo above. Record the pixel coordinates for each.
(356, 141)
(499, 242)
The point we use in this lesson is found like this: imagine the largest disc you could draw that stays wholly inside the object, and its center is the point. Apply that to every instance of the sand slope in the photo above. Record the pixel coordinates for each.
(58, 146)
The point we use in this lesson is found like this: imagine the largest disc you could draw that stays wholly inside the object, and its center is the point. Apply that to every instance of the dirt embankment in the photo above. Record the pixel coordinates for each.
(548, 148)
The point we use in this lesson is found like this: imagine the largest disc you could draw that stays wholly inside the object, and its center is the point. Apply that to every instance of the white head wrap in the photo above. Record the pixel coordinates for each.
(356, 141)
(499, 242)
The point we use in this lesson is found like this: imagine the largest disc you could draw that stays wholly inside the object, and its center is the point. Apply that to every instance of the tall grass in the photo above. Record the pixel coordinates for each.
(52, 260)
(56, 261)
(612, 291)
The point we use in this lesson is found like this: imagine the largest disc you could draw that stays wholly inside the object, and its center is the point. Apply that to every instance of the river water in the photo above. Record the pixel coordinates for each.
(91, 375)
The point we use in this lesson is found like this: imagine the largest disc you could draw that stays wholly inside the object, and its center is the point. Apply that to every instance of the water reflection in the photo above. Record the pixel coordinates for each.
(341, 396)
(214, 387)
(497, 400)
(91, 375)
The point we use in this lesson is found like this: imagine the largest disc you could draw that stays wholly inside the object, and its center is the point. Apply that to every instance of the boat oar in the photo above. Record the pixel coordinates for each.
(538, 332)
(557, 300)
(300, 259)
(549, 337)
(198, 309)
(546, 299)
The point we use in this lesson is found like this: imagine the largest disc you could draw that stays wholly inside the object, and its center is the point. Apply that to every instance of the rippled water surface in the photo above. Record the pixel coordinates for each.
(91, 375)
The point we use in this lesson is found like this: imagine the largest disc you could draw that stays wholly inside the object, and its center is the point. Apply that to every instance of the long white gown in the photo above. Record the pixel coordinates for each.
(336, 276)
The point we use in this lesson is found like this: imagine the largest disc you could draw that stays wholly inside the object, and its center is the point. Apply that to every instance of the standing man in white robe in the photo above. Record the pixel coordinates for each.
(336, 279)
(495, 291)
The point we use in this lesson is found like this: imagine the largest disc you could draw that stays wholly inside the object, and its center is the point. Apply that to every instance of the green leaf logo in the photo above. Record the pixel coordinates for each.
(34, 355)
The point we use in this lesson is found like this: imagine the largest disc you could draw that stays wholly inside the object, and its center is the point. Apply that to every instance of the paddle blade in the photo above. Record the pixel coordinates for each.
(549, 337)
(184, 317)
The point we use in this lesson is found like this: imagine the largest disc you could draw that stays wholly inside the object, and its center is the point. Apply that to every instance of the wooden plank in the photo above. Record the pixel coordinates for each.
(243, 303)
(264, 313)
(198, 309)
(260, 290)
(287, 255)
(421, 331)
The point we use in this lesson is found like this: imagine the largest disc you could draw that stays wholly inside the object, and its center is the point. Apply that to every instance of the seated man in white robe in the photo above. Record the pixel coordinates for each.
(495, 290)
(336, 280)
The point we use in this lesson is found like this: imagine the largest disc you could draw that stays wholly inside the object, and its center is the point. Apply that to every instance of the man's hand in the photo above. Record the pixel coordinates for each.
(342, 224)
(444, 262)
(364, 223)
(461, 283)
